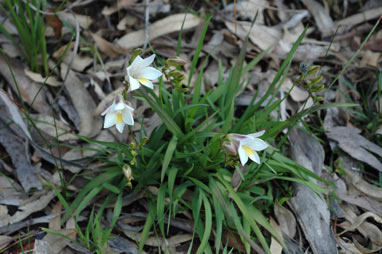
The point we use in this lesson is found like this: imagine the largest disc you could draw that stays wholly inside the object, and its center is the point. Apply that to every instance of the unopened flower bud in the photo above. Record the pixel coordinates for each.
(126, 169)
(312, 70)
(175, 61)
(176, 74)
(230, 148)
(316, 81)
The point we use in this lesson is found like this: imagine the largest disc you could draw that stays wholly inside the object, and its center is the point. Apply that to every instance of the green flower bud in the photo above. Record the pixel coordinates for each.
(316, 81)
(312, 70)
(175, 61)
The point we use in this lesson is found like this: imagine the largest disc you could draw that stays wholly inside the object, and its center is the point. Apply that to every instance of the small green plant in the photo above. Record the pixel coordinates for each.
(191, 159)
(30, 26)
(94, 237)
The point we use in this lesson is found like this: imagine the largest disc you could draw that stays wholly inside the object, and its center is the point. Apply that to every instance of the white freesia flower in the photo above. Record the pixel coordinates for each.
(248, 145)
(118, 114)
(139, 72)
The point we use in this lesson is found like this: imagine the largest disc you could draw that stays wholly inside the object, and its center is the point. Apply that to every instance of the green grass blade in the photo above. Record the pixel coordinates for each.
(168, 156)
(160, 207)
(198, 50)
(208, 224)
(146, 228)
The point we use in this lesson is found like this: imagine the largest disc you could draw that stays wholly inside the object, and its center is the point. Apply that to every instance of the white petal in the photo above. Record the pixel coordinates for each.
(257, 134)
(150, 73)
(148, 60)
(134, 84)
(258, 144)
(127, 117)
(137, 64)
(242, 155)
(147, 83)
(128, 107)
(107, 110)
(120, 126)
(255, 157)
(110, 119)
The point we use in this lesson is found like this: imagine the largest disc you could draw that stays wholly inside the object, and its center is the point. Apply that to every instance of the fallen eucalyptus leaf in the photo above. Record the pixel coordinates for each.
(30, 91)
(161, 27)
(51, 80)
(16, 149)
(367, 229)
(361, 185)
(356, 145)
(108, 48)
(311, 210)
(42, 247)
(84, 104)
(323, 20)
(11, 192)
(4, 241)
(286, 219)
(261, 35)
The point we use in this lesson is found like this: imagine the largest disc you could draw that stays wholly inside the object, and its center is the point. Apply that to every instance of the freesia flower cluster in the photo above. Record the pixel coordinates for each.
(138, 73)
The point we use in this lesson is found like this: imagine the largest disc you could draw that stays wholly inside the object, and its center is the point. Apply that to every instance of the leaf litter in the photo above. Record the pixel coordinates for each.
(66, 107)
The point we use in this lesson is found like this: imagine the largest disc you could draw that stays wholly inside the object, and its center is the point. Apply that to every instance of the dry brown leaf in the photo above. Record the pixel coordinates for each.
(4, 217)
(84, 104)
(108, 48)
(79, 63)
(42, 247)
(11, 192)
(356, 145)
(4, 241)
(55, 223)
(275, 247)
(38, 202)
(363, 249)
(17, 151)
(162, 27)
(58, 243)
(128, 20)
(361, 185)
(367, 229)
(286, 220)
(360, 17)
(370, 58)
(311, 210)
(356, 222)
(247, 9)
(72, 19)
(11, 50)
(121, 4)
(65, 48)
(348, 247)
(298, 94)
(323, 20)
(362, 201)
(52, 81)
(76, 154)
(54, 127)
(30, 91)
(262, 36)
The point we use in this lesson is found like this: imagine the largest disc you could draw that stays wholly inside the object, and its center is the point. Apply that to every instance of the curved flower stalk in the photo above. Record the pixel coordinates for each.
(118, 114)
(246, 146)
(140, 72)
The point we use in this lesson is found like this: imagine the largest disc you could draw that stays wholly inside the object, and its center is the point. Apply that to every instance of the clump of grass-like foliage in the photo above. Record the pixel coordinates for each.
(184, 161)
